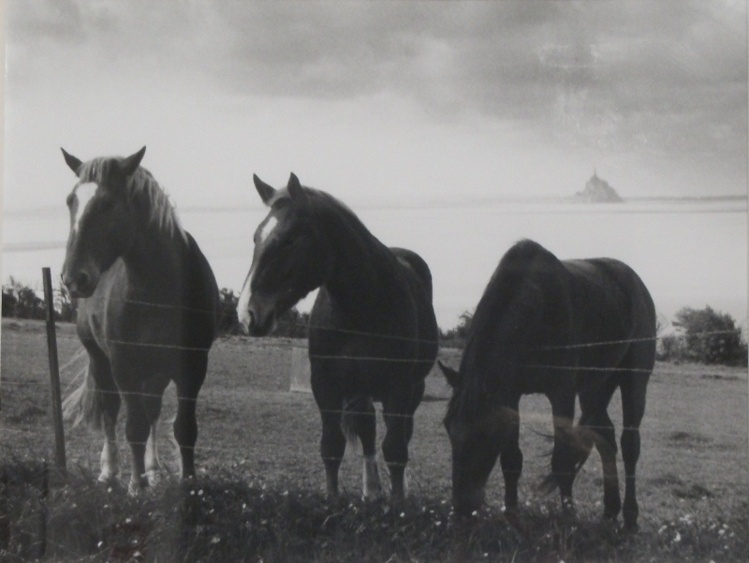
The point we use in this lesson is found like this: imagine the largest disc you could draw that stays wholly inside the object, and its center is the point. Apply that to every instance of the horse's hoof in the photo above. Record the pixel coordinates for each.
(108, 478)
(154, 477)
(373, 495)
(137, 486)
(568, 508)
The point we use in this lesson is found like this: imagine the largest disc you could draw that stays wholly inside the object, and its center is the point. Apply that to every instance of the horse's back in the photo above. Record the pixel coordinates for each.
(540, 310)
(611, 301)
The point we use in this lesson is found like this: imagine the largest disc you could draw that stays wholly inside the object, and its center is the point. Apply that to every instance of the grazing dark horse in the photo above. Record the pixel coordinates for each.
(147, 310)
(372, 334)
(561, 328)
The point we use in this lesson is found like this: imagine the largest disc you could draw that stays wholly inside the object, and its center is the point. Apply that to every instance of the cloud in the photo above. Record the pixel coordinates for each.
(666, 76)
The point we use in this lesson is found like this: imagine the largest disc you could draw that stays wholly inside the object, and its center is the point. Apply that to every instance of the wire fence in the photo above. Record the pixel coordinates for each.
(75, 368)
(80, 356)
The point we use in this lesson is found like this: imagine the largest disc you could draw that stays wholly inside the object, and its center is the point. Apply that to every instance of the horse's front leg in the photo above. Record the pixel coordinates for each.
(110, 458)
(153, 464)
(332, 446)
(567, 451)
(137, 429)
(332, 442)
(107, 402)
(510, 456)
(143, 404)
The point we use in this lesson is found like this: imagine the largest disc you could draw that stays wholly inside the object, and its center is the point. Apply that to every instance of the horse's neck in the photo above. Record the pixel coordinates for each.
(363, 270)
(155, 262)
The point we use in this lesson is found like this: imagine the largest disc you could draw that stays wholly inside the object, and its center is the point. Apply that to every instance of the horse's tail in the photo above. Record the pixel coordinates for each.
(580, 441)
(82, 404)
(356, 412)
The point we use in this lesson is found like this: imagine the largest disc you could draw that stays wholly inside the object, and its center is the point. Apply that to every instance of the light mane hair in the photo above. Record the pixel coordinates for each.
(142, 189)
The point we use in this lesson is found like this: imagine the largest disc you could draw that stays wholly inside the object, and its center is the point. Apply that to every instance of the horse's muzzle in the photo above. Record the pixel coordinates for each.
(261, 325)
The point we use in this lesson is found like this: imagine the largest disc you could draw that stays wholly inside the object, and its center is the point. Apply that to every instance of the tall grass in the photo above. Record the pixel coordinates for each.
(224, 519)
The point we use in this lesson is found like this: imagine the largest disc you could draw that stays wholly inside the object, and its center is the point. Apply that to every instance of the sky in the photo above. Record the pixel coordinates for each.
(386, 105)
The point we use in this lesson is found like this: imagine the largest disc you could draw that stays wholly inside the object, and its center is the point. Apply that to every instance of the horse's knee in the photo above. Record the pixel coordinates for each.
(395, 448)
(630, 443)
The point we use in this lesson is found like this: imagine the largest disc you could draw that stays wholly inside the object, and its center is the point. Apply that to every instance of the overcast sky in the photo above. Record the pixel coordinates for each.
(384, 104)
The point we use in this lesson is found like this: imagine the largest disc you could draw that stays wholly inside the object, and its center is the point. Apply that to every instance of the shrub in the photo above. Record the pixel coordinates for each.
(459, 333)
(291, 324)
(711, 337)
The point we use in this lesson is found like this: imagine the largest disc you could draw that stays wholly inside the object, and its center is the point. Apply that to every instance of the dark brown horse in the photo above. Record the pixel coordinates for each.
(577, 327)
(372, 334)
(147, 310)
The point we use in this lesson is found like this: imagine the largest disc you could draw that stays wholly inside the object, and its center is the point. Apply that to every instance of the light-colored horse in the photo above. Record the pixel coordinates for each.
(147, 310)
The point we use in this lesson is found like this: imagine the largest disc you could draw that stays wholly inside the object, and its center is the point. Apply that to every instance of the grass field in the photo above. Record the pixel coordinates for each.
(260, 490)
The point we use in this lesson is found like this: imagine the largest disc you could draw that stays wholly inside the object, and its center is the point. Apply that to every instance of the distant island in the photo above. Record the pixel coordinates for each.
(597, 190)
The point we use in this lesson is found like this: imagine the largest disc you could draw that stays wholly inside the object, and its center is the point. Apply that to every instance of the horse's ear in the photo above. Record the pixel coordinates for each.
(129, 165)
(296, 192)
(73, 163)
(452, 375)
(266, 192)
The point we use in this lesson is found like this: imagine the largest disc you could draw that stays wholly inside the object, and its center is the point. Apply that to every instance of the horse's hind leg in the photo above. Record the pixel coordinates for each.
(185, 426)
(606, 446)
(595, 422)
(359, 419)
(633, 408)
(398, 413)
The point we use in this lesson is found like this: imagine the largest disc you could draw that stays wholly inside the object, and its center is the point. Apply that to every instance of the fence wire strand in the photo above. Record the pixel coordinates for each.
(80, 355)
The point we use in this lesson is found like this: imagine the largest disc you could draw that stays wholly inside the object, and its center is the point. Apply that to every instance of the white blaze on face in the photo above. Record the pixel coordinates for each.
(267, 228)
(243, 307)
(84, 193)
(264, 231)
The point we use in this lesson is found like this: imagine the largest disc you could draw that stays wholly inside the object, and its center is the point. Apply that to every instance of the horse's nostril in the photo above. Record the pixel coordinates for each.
(82, 280)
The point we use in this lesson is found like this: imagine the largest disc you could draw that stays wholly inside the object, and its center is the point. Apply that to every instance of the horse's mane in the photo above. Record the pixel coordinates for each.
(501, 314)
(333, 212)
(143, 189)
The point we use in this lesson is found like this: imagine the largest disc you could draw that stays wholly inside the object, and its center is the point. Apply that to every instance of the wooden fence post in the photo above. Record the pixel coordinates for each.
(54, 373)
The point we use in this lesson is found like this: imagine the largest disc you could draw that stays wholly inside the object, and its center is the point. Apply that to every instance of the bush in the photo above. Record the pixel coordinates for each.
(228, 321)
(22, 302)
(709, 337)
(291, 324)
(458, 334)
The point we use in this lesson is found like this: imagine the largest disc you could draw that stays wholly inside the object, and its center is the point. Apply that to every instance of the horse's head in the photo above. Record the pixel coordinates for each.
(290, 258)
(101, 227)
(475, 441)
